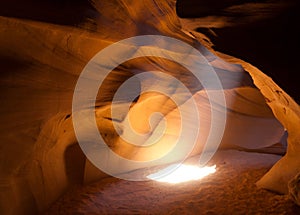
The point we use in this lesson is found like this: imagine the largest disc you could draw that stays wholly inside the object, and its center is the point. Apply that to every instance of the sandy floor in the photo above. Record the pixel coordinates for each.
(230, 190)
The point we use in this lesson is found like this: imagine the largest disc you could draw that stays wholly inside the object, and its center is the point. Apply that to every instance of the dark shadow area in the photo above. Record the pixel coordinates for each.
(63, 12)
(75, 164)
(196, 8)
(270, 43)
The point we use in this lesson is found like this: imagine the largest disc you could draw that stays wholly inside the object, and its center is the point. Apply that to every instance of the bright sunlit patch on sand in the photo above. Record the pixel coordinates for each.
(182, 173)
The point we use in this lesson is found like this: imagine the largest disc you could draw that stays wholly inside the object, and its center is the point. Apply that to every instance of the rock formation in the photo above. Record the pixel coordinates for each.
(41, 61)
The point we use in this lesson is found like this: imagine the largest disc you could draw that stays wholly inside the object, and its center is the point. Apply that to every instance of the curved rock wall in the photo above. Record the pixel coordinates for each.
(41, 63)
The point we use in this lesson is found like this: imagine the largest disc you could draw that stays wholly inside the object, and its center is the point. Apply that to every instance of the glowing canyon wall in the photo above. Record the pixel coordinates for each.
(41, 63)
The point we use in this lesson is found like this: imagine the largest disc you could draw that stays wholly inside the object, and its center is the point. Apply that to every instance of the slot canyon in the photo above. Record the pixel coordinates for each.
(149, 107)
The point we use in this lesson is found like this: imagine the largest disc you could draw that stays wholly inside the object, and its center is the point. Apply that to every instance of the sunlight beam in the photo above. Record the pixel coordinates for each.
(182, 173)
